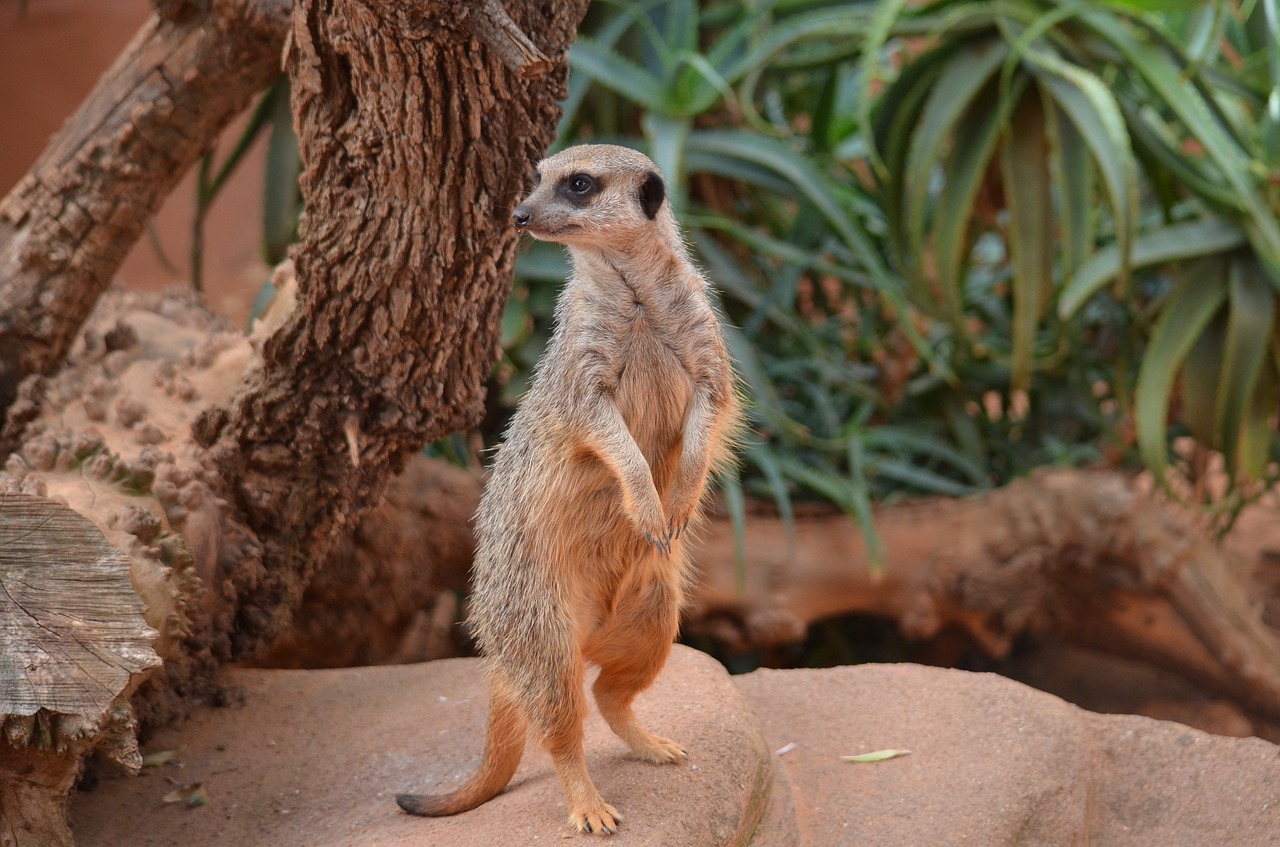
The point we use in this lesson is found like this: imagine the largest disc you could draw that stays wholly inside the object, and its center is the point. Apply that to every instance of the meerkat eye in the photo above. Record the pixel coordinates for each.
(581, 183)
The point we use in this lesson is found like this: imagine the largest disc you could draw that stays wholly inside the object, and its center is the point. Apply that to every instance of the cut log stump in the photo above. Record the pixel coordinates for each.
(73, 647)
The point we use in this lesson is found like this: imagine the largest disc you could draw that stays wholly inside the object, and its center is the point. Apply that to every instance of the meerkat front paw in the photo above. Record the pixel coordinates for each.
(601, 819)
(684, 506)
(662, 542)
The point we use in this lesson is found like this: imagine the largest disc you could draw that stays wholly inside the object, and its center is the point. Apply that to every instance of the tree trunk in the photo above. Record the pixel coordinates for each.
(67, 226)
(417, 136)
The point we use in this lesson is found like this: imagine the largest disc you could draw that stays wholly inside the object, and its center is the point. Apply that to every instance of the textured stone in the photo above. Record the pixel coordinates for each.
(313, 759)
(995, 763)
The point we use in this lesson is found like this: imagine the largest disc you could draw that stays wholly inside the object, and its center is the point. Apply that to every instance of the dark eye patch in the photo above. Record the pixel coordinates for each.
(578, 189)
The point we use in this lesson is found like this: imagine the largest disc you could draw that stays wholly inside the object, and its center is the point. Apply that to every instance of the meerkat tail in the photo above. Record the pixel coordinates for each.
(503, 747)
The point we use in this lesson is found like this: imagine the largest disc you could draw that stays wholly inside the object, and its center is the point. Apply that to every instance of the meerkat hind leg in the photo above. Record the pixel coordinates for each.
(556, 714)
(631, 651)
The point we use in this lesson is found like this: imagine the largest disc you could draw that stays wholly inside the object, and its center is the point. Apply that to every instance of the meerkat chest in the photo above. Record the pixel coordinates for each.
(653, 391)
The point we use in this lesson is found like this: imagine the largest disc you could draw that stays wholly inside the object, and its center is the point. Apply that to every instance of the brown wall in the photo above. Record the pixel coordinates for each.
(50, 59)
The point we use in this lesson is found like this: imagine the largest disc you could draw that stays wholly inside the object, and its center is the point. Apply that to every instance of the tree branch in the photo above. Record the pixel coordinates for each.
(490, 23)
(67, 226)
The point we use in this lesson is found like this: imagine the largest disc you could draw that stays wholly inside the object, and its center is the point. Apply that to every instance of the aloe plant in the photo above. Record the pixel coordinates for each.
(1117, 141)
(750, 109)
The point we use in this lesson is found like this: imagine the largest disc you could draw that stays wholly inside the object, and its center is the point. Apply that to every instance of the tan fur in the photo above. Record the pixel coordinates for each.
(581, 552)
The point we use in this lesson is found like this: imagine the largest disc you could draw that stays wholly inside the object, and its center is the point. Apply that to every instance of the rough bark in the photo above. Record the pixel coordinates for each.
(393, 581)
(417, 136)
(67, 226)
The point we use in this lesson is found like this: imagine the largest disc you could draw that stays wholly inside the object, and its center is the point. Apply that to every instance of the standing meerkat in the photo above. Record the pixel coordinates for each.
(581, 530)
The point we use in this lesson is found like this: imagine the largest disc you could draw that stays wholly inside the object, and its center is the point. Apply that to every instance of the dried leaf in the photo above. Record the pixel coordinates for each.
(161, 757)
(190, 795)
(877, 756)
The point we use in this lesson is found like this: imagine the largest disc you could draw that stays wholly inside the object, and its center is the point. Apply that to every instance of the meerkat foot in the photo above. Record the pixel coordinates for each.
(600, 818)
(659, 751)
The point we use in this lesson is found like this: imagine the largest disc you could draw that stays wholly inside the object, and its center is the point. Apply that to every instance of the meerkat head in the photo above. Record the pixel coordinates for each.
(593, 194)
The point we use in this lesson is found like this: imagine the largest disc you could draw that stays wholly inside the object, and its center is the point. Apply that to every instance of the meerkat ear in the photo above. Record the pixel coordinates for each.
(652, 193)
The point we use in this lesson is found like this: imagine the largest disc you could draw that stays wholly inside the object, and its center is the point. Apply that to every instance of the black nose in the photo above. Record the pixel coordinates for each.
(521, 217)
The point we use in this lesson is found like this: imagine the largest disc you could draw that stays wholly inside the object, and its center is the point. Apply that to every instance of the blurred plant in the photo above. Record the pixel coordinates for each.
(747, 108)
(281, 200)
(819, 153)
(1011, 119)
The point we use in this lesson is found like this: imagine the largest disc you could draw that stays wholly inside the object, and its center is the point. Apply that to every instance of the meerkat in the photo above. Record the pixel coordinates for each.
(582, 528)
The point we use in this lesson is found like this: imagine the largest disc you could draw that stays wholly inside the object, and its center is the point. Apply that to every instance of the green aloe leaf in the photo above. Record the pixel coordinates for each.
(1200, 377)
(973, 146)
(923, 479)
(1169, 84)
(921, 447)
(768, 405)
(667, 137)
(1154, 137)
(605, 39)
(1173, 243)
(618, 74)
(682, 24)
(1186, 314)
(280, 196)
(1025, 161)
(896, 116)
(850, 495)
(1096, 115)
(764, 458)
(844, 22)
(1073, 175)
(1258, 433)
(1249, 326)
(878, 30)
(736, 504)
(966, 74)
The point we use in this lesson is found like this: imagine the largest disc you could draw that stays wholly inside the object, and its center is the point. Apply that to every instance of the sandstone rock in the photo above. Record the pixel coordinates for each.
(996, 763)
(312, 759)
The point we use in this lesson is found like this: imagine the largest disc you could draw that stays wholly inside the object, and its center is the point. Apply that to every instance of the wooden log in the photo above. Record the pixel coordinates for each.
(73, 648)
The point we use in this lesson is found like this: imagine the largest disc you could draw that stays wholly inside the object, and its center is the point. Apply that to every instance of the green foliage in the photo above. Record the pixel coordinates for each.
(1040, 109)
(754, 108)
(856, 395)
(272, 117)
(954, 241)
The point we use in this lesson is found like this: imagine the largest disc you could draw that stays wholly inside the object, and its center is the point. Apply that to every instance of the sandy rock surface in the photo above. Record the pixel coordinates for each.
(995, 763)
(313, 759)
